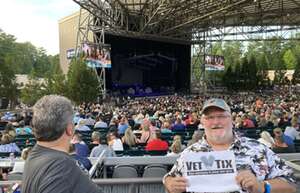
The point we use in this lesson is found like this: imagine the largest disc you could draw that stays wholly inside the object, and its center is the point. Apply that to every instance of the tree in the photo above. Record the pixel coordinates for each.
(55, 79)
(228, 78)
(296, 75)
(217, 49)
(262, 74)
(252, 73)
(289, 59)
(82, 82)
(33, 90)
(8, 85)
(232, 52)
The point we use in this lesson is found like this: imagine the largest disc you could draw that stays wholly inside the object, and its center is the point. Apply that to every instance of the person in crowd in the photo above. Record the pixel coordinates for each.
(10, 130)
(176, 146)
(258, 170)
(100, 123)
(267, 139)
(89, 121)
(157, 144)
(153, 126)
(49, 168)
(197, 135)
(76, 118)
(82, 126)
(278, 134)
(22, 129)
(83, 162)
(19, 166)
(178, 126)
(293, 130)
(100, 147)
(145, 134)
(95, 139)
(247, 122)
(129, 140)
(166, 127)
(123, 125)
(80, 147)
(279, 142)
(261, 120)
(7, 144)
(114, 142)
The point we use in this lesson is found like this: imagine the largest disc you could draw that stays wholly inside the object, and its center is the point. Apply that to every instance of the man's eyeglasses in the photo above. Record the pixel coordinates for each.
(218, 117)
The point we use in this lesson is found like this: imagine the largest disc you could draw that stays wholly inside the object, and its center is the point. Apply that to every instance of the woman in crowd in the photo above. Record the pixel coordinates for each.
(129, 140)
(114, 142)
(176, 146)
(145, 134)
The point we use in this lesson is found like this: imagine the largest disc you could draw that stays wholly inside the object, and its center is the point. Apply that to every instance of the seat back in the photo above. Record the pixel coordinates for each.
(14, 176)
(157, 152)
(125, 171)
(153, 171)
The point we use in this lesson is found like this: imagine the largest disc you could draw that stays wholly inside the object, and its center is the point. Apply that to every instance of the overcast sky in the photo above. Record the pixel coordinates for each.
(35, 21)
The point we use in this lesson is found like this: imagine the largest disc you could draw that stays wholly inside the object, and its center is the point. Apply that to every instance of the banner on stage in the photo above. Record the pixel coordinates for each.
(210, 171)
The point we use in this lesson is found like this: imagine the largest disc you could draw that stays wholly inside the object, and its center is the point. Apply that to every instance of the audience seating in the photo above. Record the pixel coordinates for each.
(14, 176)
(125, 171)
(155, 170)
(6, 154)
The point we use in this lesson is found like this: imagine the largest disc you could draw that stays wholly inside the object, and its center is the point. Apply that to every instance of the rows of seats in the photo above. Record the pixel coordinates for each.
(28, 140)
(140, 152)
(130, 171)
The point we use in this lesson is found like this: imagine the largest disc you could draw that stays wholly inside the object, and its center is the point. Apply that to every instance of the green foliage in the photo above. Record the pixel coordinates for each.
(82, 82)
(296, 75)
(23, 57)
(8, 85)
(56, 81)
(32, 91)
(249, 66)
(229, 78)
(289, 59)
(196, 67)
(232, 52)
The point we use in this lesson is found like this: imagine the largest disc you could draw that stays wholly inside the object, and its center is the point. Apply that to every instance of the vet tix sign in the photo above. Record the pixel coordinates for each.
(210, 171)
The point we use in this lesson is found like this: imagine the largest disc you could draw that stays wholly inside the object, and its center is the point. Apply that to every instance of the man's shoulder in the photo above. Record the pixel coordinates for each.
(199, 146)
(246, 141)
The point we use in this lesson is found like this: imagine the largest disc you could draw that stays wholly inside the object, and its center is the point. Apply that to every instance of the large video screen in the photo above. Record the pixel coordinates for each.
(214, 62)
(97, 57)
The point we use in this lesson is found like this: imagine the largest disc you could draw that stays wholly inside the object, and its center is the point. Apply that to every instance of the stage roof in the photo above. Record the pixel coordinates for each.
(181, 19)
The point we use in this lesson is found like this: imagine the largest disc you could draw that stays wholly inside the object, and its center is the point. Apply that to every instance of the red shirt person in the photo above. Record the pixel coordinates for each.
(157, 143)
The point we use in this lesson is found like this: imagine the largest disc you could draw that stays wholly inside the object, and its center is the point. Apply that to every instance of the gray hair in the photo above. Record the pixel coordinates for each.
(51, 116)
(96, 136)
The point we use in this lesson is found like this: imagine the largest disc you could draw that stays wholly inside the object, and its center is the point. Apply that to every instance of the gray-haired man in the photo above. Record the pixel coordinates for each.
(49, 168)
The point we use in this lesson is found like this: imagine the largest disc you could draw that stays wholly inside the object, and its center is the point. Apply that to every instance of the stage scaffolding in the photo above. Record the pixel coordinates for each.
(194, 22)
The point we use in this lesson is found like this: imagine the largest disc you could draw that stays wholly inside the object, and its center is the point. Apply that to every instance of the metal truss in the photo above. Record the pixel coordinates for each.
(88, 34)
(181, 19)
(195, 22)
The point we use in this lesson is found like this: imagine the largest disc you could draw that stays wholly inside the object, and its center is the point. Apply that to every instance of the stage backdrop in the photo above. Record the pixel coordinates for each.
(149, 63)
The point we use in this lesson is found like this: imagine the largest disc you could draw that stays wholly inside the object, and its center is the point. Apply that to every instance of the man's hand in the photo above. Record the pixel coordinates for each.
(247, 180)
(175, 184)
